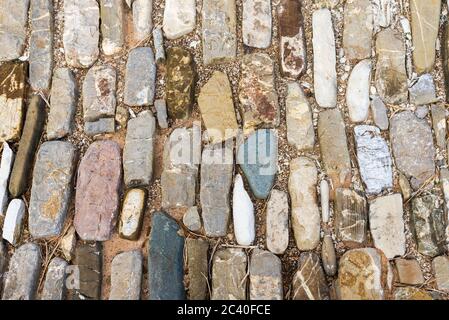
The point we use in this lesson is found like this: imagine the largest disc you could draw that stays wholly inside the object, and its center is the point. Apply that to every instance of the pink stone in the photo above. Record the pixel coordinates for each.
(97, 191)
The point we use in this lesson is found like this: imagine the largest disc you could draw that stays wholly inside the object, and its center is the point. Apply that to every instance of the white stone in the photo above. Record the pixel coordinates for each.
(142, 20)
(305, 214)
(357, 92)
(5, 171)
(383, 12)
(12, 226)
(324, 195)
(324, 59)
(256, 24)
(179, 18)
(242, 213)
(387, 225)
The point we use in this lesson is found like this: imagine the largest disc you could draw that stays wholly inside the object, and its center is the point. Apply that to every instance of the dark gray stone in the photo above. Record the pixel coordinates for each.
(88, 263)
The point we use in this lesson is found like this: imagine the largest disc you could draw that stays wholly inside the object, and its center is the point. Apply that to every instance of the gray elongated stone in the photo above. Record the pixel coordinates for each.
(374, 159)
(357, 92)
(197, 266)
(158, 43)
(258, 156)
(12, 95)
(41, 44)
(13, 30)
(216, 178)
(63, 99)
(126, 276)
(412, 144)
(277, 222)
(387, 225)
(81, 32)
(324, 59)
(265, 276)
(179, 18)
(182, 155)
(161, 113)
(132, 214)
(358, 29)
(6, 163)
(425, 25)
(229, 275)
(99, 93)
(51, 189)
(142, 20)
(112, 26)
(103, 125)
(428, 225)
(305, 214)
(256, 23)
(88, 259)
(257, 92)
(293, 51)
(391, 75)
(328, 256)
(140, 77)
(309, 282)
(334, 149)
(440, 266)
(379, 112)
(54, 284)
(444, 179)
(23, 274)
(32, 132)
(219, 27)
(423, 90)
(439, 125)
(13, 223)
(351, 217)
(138, 150)
(300, 131)
(165, 259)
(191, 219)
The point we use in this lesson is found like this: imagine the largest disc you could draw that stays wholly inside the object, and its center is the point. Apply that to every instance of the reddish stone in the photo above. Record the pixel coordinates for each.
(97, 191)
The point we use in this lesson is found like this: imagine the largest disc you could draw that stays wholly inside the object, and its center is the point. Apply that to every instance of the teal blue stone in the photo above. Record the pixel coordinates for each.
(165, 259)
(257, 157)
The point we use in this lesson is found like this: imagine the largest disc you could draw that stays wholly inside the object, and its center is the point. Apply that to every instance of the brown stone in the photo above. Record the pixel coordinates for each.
(196, 251)
(409, 271)
(411, 293)
(309, 282)
(97, 191)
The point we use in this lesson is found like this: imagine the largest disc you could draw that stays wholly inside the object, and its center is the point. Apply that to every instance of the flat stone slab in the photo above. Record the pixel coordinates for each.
(412, 143)
(179, 18)
(112, 26)
(440, 266)
(257, 92)
(387, 225)
(422, 92)
(165, 259)
(265, 276)
(277, 222)
(23, 274)
(138, 150)
(81, 32)
(161, 113)
(309, 282)
(374, 159)
(409, 271)
(256, 23)
(6, 163)
(379, 113)
(258, 156)
(97, 191)
(358, 29)
(197, 266)
(293, 51)
(217, 108)
(13, 31)
(126, 276)
(88, 260)
(328, 255)
(41, 44)
(216, 178)
(180, 85)
(229, 275)
(142, 20)
(219, 28)
(131, 217)
(54, 284)
(140, 77)
(12, 94)
(103, 125)
(192, 220)
(63, 99)
(51, 189)
(304, 214)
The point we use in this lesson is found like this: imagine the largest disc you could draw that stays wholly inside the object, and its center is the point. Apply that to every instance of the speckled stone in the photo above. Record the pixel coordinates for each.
(131, 217)
(277, 222)
(126, 276)
(54, 284)
(265, 276)
(256, 23)
(13, 31)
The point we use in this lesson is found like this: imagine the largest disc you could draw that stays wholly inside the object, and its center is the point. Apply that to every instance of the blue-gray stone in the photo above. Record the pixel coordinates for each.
(165, 259)
(257, 157)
